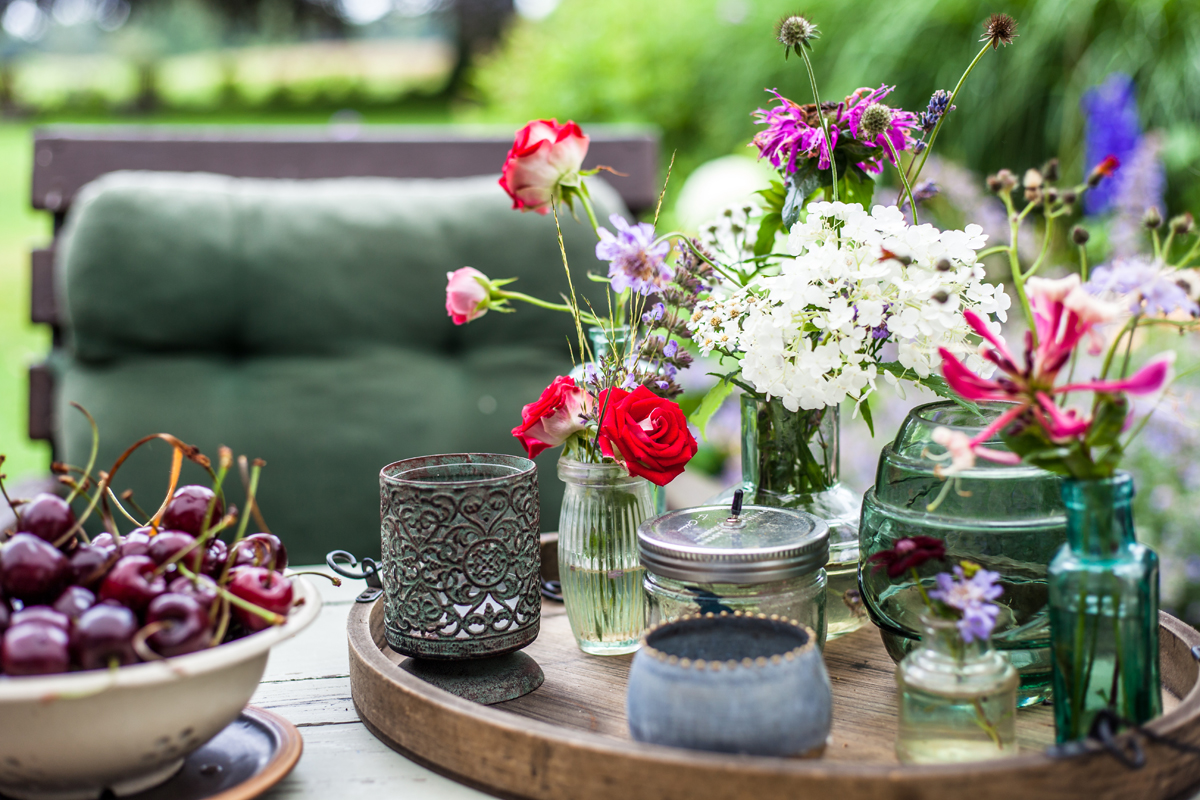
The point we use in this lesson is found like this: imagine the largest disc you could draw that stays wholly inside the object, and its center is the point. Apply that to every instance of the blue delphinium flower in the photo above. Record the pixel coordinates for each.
(972, 598)
(939, 105)
(1112, 130)
(1148, 288)
(635, 261)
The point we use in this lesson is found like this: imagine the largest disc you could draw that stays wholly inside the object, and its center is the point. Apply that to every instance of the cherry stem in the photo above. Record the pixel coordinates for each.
(245, 605)
(78, 526)
(330, 578)
(140, 646)
(127, 496)
(226, 459)
(223, 625)
(87, 472)
(251, 490)
(203, 539)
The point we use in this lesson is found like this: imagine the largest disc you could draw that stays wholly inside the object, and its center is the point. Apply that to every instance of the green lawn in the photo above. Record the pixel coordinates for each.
(21, 228)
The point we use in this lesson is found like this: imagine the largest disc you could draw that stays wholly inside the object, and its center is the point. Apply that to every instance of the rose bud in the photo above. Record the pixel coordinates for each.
(555, 415)
(544, 157)
(467, 293)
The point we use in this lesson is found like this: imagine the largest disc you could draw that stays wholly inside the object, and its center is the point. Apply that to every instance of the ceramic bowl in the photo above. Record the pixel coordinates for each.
(731, 683)
(71, 736)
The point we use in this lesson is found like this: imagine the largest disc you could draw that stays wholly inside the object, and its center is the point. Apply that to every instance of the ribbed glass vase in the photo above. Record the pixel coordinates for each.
(790, 459)
(1103, 612)
(598, 556)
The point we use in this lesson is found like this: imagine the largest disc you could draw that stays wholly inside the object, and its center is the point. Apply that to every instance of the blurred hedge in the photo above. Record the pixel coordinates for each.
(697, 68)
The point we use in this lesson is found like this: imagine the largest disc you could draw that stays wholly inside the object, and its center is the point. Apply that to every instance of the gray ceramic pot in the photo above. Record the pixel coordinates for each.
(731, 683)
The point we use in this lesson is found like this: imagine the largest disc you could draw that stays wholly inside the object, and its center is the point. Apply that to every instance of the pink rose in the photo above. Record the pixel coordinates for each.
(466, 297)
(555, 415)
(543, 156)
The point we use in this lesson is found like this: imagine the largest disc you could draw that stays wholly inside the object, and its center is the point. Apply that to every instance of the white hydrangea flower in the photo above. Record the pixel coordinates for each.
(810, 330)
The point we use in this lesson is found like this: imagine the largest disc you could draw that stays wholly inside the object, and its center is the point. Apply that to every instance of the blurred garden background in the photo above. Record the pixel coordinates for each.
(1084, 78)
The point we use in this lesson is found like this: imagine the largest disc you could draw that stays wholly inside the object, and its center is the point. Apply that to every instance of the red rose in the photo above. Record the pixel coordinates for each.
(650, 433)
(544, 155)
(909, 553)
(554, 417)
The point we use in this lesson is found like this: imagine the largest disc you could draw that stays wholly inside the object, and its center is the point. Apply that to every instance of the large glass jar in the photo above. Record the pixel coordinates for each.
(598, 557)
(755, 560)
(1103, 612)
(958, 700)
(1007, 519)
(790, 459)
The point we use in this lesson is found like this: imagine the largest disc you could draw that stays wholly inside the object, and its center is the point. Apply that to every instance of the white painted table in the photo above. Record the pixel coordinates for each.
(308, 682)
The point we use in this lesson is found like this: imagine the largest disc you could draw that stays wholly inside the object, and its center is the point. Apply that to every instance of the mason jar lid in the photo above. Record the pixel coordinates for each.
(719, 544)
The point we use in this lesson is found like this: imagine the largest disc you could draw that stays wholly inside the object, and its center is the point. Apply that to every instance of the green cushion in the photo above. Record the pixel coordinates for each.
(304, 323)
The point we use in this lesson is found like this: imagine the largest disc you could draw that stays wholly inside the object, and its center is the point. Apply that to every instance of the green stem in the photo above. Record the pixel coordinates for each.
(533, 301)
(1049, 232)
(938, 127)
(991, 251)
(916, 576)
(87, 472)
(812, 79)
(903, 178)
(1166, 248)
(1014, 264)
(1112, 349)
(1083, 264)
(1187, 259)
(1129, 346)
(246, 605)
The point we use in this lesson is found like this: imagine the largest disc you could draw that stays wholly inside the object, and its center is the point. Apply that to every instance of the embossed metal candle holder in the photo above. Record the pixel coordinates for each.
(461, 564)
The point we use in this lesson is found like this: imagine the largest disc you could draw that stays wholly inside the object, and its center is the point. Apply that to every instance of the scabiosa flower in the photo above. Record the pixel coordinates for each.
(635, 261)
(970, 594)
(1000, 29)
(909, 553)
(794, 32)
(874, 122)
(1148, 288)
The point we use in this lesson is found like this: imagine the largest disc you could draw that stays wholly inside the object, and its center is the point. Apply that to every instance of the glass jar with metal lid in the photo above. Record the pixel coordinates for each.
(756, 559)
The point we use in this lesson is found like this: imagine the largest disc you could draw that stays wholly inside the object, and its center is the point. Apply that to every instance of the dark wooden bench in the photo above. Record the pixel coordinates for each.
(66, 158)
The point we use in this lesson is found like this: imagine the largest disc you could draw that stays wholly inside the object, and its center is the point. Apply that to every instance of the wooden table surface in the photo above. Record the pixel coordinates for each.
(307, 681)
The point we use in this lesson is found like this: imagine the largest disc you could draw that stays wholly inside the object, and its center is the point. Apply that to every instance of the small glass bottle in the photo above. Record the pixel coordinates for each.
(598, 555)
(1103, 611)
(958, 700)
(755, 560)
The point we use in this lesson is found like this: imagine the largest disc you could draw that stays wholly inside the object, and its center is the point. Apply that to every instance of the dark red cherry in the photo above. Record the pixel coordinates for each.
(261, 550)
(104, 540)
(264, 588)
(136, 542)
(102, 634)
(168, 543)
(5, 615)
(33, 570)
(43, 615)
(188, 625)
(46, 516)
(214, 558)
(74, 601)
(203, 590)
(185, 512)
(132, 583)
(35, 648)
(90, 563)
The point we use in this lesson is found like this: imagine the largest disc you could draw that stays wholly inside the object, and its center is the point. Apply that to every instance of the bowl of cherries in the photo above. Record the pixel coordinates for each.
(122, 652)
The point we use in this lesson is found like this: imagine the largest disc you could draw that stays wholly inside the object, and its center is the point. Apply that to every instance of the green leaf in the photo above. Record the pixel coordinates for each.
(709, 405)
(768, 226)
(800, 185)
(774, 196)
(934, 383)
(864, 408)
(857, 189)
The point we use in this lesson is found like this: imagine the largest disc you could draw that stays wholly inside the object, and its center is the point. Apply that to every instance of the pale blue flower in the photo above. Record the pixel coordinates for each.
(635, 261)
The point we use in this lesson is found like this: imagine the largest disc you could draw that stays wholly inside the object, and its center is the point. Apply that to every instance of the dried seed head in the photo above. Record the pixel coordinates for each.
(1183, 224)
(999, 29)
(1002, 181)
(1051, 194)
(1050, 170)
(1152, 219)
(875, 121)
(1032, 179)
(993, 184)
(943, 265)
(1069, 197)
(941, 296)
(795, 31)
(1080, 235)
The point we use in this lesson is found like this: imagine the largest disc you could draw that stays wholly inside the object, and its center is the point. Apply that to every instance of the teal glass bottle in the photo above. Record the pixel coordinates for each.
(1103, 611)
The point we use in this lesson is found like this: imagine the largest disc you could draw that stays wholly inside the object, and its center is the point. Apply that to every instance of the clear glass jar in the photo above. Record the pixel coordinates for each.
(1103, 611)
(755, 560)
(958, 700)
(598, 555)
(790, 459)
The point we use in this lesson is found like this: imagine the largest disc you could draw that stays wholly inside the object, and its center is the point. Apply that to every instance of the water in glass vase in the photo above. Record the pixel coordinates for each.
(610, 608)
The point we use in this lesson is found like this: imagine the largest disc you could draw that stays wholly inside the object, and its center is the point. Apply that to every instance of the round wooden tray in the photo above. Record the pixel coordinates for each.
(569, 739)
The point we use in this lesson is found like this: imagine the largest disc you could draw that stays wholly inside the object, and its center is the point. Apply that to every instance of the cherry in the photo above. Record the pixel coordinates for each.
(261, 550)
(203, 590)
(136, 542)
(103, 633)
(132, 583)
(35, 648)
(33, 570)
(215, 557)
(264, 588)
(104, 540)
(185, 512)
(89, 563)
(74, 601)
(168, 543)
(46, 516)
(188, 625)
(42, 615)
(5, 615)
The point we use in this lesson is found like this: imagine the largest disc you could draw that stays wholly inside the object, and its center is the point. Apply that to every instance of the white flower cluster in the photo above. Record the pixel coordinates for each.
(812, 333)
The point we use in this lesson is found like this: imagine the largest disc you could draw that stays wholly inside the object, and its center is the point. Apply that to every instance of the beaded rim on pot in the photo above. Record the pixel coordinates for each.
(715, 665)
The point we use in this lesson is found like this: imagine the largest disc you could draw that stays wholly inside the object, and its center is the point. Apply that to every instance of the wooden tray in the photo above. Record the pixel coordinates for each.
(569, 739)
